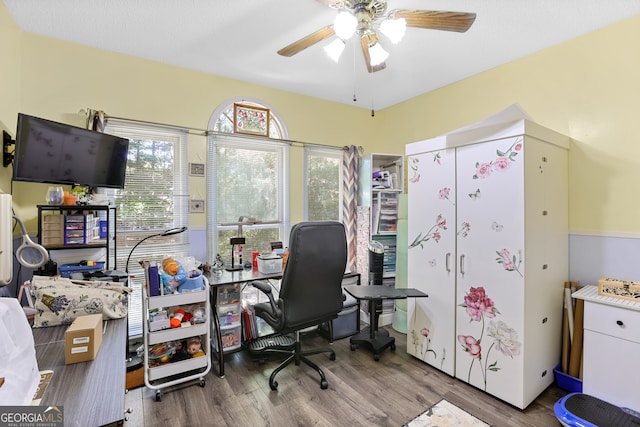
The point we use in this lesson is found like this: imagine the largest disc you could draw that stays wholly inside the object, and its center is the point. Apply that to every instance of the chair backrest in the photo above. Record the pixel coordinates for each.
(311, 287)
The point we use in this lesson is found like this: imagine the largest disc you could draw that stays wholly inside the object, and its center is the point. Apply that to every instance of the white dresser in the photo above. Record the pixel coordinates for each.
(611, 352)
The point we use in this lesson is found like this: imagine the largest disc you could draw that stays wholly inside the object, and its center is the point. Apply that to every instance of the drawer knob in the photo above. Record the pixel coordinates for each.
(619, 322)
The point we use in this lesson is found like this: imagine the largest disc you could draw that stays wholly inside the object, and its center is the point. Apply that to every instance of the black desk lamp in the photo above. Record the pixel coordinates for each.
(169, 232)
(243, 220)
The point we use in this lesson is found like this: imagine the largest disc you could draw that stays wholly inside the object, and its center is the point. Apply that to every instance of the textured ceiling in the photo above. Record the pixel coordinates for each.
(240, 38)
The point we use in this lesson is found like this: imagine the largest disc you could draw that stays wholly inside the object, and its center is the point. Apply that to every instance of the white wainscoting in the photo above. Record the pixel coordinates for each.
(594, 256)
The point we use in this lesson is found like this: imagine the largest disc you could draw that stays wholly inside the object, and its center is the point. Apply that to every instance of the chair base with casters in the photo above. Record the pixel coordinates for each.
(282, 344)
(296, 356)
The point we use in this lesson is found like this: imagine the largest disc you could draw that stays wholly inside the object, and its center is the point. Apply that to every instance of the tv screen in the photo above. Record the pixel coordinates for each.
(58, 153)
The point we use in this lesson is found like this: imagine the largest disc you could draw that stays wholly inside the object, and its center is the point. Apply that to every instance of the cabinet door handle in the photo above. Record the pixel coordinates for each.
(462, 265)
(448, 262)
(619, 322)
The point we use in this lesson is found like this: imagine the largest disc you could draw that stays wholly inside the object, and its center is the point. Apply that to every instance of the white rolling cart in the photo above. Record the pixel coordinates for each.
(162, 376)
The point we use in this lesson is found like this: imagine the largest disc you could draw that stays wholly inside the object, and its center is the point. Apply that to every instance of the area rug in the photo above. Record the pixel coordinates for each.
(446, 414)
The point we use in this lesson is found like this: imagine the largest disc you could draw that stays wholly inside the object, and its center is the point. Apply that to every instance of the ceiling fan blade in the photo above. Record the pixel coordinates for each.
(436, 20)
(329, 2)
(307, 41)
(369, 39)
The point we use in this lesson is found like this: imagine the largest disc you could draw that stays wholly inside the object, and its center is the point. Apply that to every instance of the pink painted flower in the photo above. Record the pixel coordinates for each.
(501, 164)
(415, 178)
(509, 262)
(508, 265)
(444, 193)
(518, 147)
(464, 229)
(471, 345)
(483, 170)
(478, 304)
(436, 236)
(424, 332)
(441, 222)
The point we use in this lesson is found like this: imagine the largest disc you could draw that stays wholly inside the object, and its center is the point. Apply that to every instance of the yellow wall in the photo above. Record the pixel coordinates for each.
(587, 88)
(10, 36)
(60, 78)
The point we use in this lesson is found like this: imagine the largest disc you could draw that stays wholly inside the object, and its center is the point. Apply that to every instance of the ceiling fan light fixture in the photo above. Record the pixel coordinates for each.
(345, 25)
(378, 55)
(335, 49)
(394, 29)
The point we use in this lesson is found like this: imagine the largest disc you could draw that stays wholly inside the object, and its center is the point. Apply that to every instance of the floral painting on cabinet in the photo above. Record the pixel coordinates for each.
(501, 163)
(479, 307)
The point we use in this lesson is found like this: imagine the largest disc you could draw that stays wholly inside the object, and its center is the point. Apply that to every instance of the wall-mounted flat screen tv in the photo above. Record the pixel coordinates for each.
(57, 153)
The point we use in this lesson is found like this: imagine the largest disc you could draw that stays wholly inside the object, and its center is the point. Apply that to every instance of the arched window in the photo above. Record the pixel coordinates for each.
(247, 177)
(222, 119)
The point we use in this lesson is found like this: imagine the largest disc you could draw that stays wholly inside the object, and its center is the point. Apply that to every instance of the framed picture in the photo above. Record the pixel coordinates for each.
(196, 206)
(250, 120)
(196, 169)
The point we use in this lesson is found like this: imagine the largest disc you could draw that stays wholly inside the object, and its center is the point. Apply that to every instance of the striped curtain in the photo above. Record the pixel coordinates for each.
(96, 120)
(350, 164)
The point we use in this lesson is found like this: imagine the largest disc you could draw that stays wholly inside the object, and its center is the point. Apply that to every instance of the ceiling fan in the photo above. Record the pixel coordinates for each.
(365, 18)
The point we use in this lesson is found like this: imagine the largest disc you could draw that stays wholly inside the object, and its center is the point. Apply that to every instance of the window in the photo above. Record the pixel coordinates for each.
(323, 184)
(154, 199)
(247, 177)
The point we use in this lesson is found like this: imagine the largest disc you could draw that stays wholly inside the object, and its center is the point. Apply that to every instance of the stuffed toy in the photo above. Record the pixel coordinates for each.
(194, 347)
(172, 275)
(175, 279)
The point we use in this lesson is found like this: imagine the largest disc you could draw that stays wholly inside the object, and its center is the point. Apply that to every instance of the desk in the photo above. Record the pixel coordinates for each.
(92, 393)
(377, 339)
(241, 276)
(230, 278)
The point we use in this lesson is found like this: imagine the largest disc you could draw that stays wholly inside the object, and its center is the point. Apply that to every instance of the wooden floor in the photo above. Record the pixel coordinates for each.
(361, 392)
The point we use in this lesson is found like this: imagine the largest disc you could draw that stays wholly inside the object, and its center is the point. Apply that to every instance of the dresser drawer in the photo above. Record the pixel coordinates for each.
(614, 321)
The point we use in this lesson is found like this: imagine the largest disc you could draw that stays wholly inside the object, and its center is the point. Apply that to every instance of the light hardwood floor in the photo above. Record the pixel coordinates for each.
(361, 392)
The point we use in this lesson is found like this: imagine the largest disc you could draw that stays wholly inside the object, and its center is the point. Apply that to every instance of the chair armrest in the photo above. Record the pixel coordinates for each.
(262, 286)
(265, 288)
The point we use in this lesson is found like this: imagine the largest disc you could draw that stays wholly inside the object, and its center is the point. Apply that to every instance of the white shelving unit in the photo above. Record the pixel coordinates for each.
(381, 181)
(169, 374)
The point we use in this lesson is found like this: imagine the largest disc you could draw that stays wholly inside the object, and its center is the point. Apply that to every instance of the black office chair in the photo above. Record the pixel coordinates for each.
(310, 291)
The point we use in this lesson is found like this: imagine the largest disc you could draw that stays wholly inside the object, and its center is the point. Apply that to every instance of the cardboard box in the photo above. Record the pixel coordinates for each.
(82, 339)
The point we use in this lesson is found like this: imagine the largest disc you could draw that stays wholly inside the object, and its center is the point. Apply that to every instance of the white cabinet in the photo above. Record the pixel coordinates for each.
(611, 348)
(488, 242)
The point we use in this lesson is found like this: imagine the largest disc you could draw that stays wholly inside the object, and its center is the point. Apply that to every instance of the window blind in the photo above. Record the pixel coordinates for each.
(246, 177)
(323, 184)
(155, 199)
